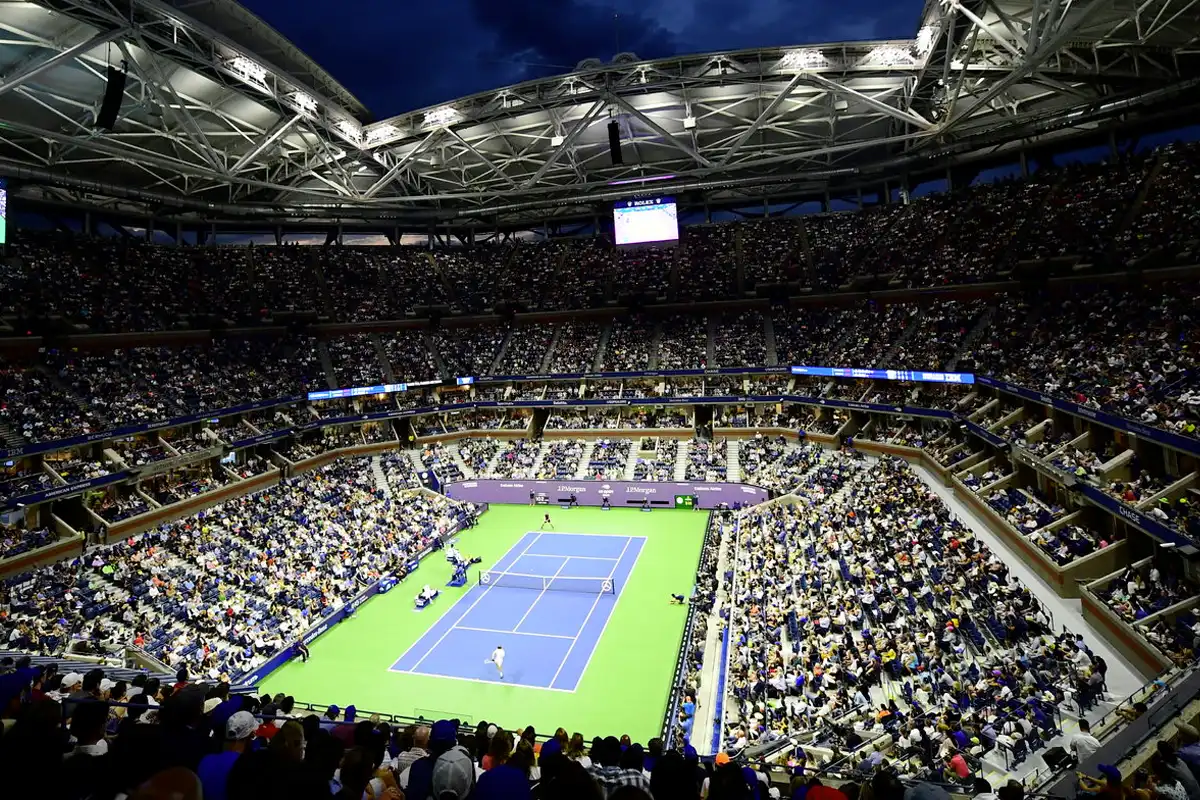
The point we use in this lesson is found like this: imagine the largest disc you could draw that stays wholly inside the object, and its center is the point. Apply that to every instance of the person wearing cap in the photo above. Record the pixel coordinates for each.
(330, 720)
(418, 780)
(1109, 788)
(214, 769)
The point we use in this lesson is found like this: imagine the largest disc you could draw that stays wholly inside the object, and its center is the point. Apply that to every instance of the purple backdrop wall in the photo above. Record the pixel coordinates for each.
(592, 493)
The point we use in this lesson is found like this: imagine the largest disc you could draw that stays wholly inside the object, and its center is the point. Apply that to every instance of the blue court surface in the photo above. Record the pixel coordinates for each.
(547, 605)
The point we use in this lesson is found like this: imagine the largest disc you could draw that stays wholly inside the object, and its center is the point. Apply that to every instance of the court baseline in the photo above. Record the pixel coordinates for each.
(548, 635)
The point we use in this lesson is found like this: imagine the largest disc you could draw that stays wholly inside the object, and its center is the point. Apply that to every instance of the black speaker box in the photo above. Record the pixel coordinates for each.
(110, 106)
(614, 142)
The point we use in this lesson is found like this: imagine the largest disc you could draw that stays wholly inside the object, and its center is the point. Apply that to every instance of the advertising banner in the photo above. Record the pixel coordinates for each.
(1166, 438)
(1136, 518)
(130, 430)
(988, 436)
(620, 494)
(65, 490)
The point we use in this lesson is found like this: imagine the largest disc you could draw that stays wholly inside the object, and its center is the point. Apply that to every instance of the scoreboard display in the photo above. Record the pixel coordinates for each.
(645, 220)
(685, 501)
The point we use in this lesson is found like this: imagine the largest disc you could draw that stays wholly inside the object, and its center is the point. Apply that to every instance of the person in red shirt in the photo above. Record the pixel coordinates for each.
(958, 765)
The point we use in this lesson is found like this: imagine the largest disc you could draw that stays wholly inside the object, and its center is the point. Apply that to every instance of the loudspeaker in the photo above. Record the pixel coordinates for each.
(110, 107)
(614, 142)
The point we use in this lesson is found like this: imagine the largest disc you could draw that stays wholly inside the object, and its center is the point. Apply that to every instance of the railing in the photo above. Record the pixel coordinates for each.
(286, 653)
(727, 641)
(679, 679)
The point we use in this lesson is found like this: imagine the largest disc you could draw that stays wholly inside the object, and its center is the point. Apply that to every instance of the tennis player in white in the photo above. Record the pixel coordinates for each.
(497, 659)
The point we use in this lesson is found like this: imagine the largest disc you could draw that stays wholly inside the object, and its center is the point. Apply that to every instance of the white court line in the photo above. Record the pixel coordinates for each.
(586, 619)
(514, 632)
(496, 574)
(471, 608)
(577, 533)
(545, 587)
(482, 680)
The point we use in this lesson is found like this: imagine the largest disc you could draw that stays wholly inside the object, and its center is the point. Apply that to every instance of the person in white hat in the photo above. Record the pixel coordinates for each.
(214, 769)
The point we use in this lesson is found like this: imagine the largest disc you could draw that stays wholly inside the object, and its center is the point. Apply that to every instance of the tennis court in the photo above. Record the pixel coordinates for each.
(626, 670)
(547, 602)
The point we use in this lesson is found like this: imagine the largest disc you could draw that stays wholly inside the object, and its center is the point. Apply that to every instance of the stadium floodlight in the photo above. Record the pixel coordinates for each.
(557, 141)
(799, 60)
(446, 115)
(382, 134)
(305, 102)
(689, 123)
(248, 71)
(889, 56)
(925, 39)
(350, 129)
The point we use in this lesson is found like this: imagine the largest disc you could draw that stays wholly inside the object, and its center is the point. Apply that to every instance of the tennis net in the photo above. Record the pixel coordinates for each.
(547, 583)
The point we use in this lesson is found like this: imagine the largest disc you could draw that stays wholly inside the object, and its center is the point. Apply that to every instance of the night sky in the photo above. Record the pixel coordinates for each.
(400, 55)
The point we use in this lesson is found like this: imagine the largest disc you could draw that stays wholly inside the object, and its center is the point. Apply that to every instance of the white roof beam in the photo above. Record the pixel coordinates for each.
(885, 108)
(390, 176)
(1032, 60)
(160, 86)
(32, 71)
(281, 128)
(484, 161)
(660, 130)
(766, 114)
(582, 125)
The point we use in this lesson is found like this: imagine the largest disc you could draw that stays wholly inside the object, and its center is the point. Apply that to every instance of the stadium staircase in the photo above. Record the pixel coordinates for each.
(65, 391)
(710, 345)
(431, 346)
(769, 340)
(501, 351)
(631, 464)
(968, 343)
(598, 361)
(541, 456)
(326, 299)
(381, 482)
(584, 468)
(655, 345)
(810, 268)
(327, 365)
(910, 329)
(490, 469)
(733, 464)
(443, 276)
(457, 458)
(1139, 200)
(544, 366)
(381, 355)
(10, 437)
(414, 455)
(673, 280)
(739, 261)
(681, 460)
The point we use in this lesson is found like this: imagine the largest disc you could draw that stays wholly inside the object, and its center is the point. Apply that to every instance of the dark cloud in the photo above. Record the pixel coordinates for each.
(565, 32)
(401, 56)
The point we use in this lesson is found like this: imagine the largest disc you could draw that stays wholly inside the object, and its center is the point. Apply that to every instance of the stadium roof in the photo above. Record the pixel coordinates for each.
(222, 117)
